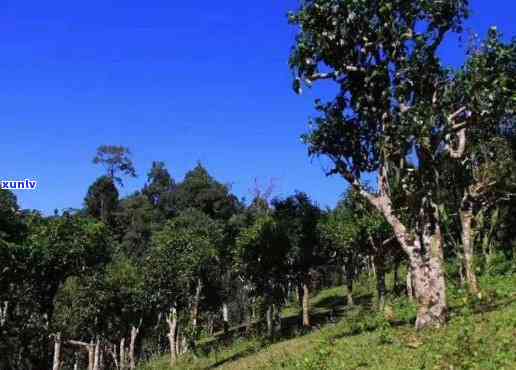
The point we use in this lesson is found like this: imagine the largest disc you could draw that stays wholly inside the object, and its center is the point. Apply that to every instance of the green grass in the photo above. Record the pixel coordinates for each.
(480, 335)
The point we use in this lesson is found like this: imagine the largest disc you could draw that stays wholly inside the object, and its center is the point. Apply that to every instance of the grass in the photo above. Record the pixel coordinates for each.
(480, 335)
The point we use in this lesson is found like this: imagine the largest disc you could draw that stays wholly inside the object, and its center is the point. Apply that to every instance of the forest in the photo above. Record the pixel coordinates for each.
(184, 269)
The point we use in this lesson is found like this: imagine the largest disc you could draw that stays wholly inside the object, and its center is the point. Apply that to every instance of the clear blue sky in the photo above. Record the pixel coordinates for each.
(174, 81)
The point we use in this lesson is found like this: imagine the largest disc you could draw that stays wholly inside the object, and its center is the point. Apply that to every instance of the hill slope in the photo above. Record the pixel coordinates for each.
(480, 335)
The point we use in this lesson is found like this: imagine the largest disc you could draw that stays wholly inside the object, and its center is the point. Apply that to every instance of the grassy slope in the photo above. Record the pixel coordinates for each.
(480, 335)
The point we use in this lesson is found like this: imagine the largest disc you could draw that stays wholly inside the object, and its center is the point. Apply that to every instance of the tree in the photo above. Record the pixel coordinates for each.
(396, 115)
(135, 219)
(183, 253)
(33, 273)
(101, 200)
(299, 218)
(485, 85)
(344, 241)
(262, 258)
(115, 159)
(159, 188)
(12, 228)
(201, 191)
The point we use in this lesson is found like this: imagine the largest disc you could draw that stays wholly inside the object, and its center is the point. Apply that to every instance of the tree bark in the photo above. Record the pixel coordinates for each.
(466, 216)
(113, 353)
(195, 305)
(122, 356)
(427, 261)
(172, 328)
(91, 356)
(424, 247)
(306, 303)
(225, 318)
(96, 355)
(132, 345)
(56, 365)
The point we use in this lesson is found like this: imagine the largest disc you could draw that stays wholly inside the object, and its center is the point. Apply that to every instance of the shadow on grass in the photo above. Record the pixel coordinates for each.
(234, 357)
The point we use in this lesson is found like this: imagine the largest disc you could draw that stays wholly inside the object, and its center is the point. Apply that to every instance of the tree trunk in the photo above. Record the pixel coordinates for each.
(270, 326)
(91, 356)
(96, 355)
(348, 277)
(113, 352)
(132, 345)
(57, 352)
(122, 356)
(225, 318)
(424, 247)
(306, 303)
(379, 263)
(172, 327)
(195, 305)
(178, 341)
(427, 261)
(466, 217)
(90, 349)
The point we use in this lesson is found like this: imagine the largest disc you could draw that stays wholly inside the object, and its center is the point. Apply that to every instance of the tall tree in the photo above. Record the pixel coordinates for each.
(101, 200)
(159, 188)
(393, 116)
(486, 85)
(116, 160)
(262, 258)
(183, 254)
(201, 191)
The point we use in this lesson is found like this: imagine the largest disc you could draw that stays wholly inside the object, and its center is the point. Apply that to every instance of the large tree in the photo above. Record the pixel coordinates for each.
(116, 160)
(396, 115)
(101, 200)
(183, 255)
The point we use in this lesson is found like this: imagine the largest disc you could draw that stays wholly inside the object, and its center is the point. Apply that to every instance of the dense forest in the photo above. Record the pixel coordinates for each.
(428, 152)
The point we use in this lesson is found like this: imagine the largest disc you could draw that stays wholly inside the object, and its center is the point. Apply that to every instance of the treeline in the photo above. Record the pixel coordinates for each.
(123, 279)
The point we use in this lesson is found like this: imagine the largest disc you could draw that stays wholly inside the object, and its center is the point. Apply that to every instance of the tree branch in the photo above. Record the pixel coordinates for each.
(332, 75)
(79, 343)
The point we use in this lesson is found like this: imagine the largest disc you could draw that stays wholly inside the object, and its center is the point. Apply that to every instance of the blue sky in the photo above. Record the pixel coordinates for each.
(179, 82)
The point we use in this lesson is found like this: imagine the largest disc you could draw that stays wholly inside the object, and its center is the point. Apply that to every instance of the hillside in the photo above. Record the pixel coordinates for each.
(481, 335)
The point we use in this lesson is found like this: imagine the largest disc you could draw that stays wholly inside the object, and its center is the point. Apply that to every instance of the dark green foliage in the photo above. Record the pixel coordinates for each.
(32, 274)
(159, 189)
(199, 190)
(102, 199)
(135, 220)
(183, 251)
(12, 228)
